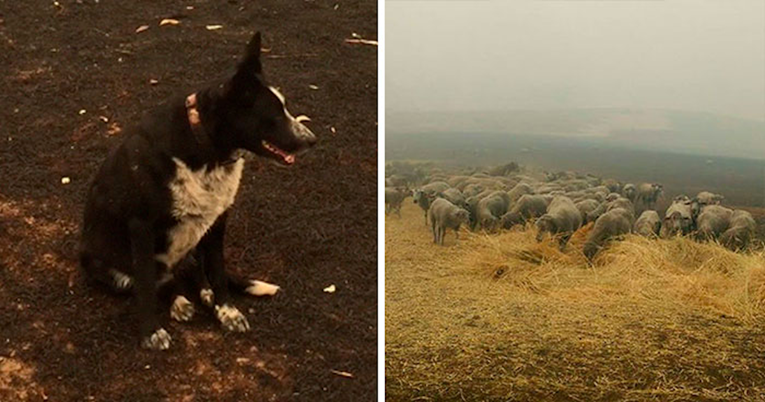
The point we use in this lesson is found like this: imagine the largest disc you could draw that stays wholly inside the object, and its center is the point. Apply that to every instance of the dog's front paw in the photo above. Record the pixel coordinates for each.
(159, 340)
(231, 318)
(207, 296)
(182, 309)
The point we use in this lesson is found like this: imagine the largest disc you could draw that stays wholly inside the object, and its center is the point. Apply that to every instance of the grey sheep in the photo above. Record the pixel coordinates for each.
(424, 195)
(435, 187)
(713, 221)
(454, 196)
(612, 201)
(527, 207)
(472, 206)
(473, 189)
(614, 223)
(585, 207)
(648, 193)
(394, 196)
(504, 170)
(612, 185)
(629, 191)
(562, 219)
(455, 181)
(678, 220)
(395, 181)
(490, 209)
(519, 190)
(444, 215)
(707, 198)
(648, 224)
(423, 199)
(740, 232)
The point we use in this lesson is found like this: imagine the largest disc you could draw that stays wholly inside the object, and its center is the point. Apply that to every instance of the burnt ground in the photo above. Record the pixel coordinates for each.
(303, 228)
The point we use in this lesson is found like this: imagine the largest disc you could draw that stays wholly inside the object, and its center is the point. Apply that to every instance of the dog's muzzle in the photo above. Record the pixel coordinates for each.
(301, 132)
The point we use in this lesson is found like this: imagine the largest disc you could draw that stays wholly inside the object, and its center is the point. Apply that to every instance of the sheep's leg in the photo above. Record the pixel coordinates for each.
(563, 240)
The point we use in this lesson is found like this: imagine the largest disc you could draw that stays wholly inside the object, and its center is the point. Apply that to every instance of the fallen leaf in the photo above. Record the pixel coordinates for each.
(141, 28)
(169, 21)
(313, 86)
(330, 289)
(242, 360)
(332, 129)
(362, 41)
(82, 112)
(104, 119)
(342, 373)
(213, 27)
(114, 129)
(65, 180)
(153, 81)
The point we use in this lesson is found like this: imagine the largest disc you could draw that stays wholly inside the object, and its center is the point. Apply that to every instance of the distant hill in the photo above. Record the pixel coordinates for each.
(646, 129)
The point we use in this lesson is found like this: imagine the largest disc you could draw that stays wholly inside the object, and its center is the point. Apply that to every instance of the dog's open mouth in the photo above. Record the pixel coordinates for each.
(286, 158)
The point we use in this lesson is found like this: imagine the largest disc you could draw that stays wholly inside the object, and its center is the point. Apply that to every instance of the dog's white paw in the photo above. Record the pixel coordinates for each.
(182, 309)
(231, 318)
(207, 296)
(260, 288)
(159, 340)
(121, 281)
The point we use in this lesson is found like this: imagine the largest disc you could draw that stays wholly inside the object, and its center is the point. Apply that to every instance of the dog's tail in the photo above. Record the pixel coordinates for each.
(251, 287)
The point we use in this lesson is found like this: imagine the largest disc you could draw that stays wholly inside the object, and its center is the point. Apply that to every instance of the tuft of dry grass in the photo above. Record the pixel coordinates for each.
(502, 317)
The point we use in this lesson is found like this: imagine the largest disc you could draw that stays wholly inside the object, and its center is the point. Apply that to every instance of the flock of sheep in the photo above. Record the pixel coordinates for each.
(559, 204)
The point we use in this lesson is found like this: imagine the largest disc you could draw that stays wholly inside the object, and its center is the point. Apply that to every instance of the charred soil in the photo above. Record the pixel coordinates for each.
(76, 73)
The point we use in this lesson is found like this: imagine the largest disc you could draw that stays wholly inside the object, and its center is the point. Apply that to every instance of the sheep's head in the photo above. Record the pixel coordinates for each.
(463, 216)
(544, 224)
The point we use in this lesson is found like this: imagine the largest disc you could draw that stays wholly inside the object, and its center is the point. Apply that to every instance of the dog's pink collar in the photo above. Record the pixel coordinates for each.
(196, 125)
(195, 122)
(191, 110)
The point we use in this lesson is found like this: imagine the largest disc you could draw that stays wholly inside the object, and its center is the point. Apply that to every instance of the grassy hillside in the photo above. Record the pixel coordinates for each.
(689, 132)
(504, 318)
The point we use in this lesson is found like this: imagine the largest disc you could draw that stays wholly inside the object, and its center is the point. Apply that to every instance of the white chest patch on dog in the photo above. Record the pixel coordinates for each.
(199, 198)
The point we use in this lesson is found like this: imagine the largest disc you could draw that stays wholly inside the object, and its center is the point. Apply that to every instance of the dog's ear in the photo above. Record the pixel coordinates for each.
(250, 64)
(245, 82)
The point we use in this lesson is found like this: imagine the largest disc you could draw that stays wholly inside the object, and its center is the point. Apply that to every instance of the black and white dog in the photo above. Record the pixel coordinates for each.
(164, 192)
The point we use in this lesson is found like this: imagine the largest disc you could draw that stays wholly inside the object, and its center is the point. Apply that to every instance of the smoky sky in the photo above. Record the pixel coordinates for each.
(700, 55)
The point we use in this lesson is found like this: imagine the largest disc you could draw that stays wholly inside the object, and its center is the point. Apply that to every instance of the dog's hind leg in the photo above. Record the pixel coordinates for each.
(113, 279)
(121, 282)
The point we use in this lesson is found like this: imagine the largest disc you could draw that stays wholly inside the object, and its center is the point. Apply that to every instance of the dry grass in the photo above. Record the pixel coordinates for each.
(504, 318)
